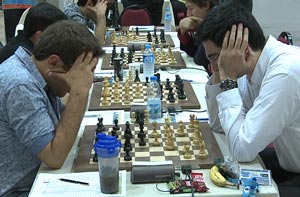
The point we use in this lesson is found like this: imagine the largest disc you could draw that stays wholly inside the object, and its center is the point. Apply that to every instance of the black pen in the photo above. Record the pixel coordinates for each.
(73, 181)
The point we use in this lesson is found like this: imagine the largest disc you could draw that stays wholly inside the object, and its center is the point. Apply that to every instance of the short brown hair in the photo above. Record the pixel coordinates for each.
(67, 39)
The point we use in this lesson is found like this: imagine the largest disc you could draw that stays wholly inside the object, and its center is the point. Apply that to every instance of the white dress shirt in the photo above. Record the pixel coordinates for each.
(263, 109)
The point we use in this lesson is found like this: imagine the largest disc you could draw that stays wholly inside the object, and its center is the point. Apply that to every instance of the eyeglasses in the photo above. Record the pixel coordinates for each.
(213, 58)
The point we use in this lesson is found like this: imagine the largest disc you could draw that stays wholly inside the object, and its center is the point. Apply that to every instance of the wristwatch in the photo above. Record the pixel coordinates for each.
(228, 84)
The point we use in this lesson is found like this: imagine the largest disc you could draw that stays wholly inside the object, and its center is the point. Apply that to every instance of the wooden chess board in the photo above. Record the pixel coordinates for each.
(191, 101)
(122, 41)
(166, 61)
(84, 160)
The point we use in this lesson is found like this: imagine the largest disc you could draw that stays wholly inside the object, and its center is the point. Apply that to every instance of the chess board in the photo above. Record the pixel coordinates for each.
(84, 160)
(122, 41)
(166, 61)
(191, 101)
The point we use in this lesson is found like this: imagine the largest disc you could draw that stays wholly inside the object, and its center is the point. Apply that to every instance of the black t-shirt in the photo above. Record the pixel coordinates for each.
(13, 44)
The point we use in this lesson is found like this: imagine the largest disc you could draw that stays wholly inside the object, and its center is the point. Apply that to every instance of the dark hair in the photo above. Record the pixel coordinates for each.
(68, 39)
(83, 2)
(221, 18)
(202, 3)
(40, 16)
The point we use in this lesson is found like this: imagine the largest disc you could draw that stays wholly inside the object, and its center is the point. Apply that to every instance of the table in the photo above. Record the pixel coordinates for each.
(199, 78)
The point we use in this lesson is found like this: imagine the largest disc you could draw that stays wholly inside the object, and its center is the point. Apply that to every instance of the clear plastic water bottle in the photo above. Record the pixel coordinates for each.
(153, 99)
(168, 20)
(148, 62)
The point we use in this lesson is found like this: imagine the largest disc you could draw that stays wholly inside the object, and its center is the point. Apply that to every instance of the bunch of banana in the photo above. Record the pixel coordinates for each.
(218, 179)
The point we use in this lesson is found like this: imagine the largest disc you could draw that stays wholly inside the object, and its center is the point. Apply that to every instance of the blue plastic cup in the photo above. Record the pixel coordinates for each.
(107, 149)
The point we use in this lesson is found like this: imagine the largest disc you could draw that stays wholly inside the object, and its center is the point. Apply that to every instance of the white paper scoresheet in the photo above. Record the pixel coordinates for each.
(48, 185)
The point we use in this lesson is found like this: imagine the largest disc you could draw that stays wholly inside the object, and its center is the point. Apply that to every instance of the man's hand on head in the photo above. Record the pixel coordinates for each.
(98, 11)
(80, 76)
(232, 61)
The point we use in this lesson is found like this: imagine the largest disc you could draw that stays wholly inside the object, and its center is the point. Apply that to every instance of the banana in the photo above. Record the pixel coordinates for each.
(217, 178)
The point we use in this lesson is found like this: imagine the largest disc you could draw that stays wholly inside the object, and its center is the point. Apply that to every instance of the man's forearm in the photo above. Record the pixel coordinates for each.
(100, 30)
(56, 152)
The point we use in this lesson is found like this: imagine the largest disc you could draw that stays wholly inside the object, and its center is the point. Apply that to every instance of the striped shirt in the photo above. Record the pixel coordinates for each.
(18, 4)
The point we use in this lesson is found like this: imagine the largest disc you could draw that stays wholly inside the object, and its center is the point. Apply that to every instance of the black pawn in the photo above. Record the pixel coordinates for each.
(127, 156)
(95, 158)
(168, 84)
(116, 126)
(137, 31)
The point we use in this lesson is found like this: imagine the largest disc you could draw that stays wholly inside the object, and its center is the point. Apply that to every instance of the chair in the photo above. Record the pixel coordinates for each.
(135, 15)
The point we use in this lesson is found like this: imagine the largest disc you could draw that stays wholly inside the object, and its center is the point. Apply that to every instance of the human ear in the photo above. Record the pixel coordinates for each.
(55, 63)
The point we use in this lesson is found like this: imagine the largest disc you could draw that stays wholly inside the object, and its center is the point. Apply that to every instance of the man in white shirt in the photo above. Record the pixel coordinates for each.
(254, 92)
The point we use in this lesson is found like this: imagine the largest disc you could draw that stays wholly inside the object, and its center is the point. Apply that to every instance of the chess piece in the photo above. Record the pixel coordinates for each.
(181, 94)
(170, 146)
(122, 54)
(155, 142)
(162, 36)
(170, 96)
(146, 116)
(154, 129)
(133, 117)
(127, 129)
(203, 153)
(142, 141)
(127, 143)
(192, 120)
(114, 133)
(104, 100)
(180, 132)
(116, 126)
(147, 81)
(186, 151)
(168, 84)
(100, 126)
(137, 78)
(127, 156)
(149, 37)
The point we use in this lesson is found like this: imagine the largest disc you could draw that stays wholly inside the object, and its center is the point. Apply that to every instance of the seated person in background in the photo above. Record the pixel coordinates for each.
(38, 18)
(196, 13)
(90, 13)
(34, 126)
(254, 92)
(179, 8)
(154, 7)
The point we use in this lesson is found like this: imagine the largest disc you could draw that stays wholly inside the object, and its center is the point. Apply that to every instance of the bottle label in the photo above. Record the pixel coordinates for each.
(154, 108)
(148, 58)
(168, 16)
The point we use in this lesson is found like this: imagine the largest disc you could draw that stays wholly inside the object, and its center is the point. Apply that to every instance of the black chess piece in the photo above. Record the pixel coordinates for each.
(122, 54)
(181, 94)
(156, 40)
(177, 79)
(127, 129)
(116, 126)
(100, 126)
(137, 78)
(168, 84)
(127, 156)
(137, 31)
(154, 33)
(147, 81)
(114, 133)
(162, 36)
(130, 56)
(149, 37)
(127, 143)
(171, 97)
(95, 158)
(142, 141)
